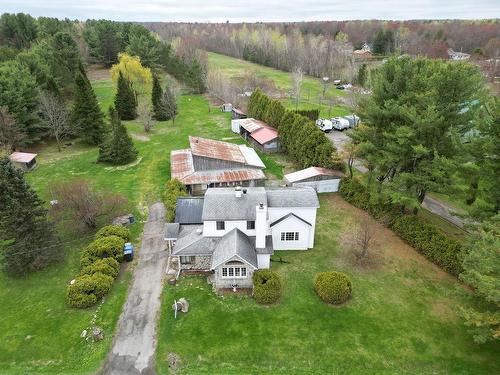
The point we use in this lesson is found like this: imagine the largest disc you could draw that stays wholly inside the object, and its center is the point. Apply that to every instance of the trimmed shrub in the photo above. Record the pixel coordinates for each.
(113, 230)
(333, 287)
(88, 289)
(434, 245)
(266, 287)
(106, 266)
(106, 247)
(173, 190)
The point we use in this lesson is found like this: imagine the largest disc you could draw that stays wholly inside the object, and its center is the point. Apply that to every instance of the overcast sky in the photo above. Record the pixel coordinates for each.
(255, 10)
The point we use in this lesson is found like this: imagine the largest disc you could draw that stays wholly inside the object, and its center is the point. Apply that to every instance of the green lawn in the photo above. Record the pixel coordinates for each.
(38, 332)
(401, 319)
(312, 88)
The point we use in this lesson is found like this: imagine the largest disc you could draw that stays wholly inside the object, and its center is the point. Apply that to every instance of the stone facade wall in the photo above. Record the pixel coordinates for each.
(201, 262)
(227, 282)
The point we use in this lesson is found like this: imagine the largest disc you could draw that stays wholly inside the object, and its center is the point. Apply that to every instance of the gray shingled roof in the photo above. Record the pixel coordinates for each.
(171, 231)
(188, 210)
(286, 217)
(234, 243)
(192, 242)
(222, 204)
(292, 197)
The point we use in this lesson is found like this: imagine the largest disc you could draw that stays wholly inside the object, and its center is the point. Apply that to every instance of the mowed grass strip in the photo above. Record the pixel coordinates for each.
(402, 318)
(38, 332)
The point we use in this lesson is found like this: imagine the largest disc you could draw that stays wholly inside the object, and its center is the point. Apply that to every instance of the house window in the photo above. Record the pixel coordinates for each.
(221, 225)
(187, 259)
(289, 236)
(251, 224)
(234, 272)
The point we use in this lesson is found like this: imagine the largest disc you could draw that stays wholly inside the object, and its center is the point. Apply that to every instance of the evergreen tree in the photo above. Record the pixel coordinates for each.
(125, 99)
(159, 110)
(86, 114)
(196, 78)
(119, 148)
(29, 241)
(362, 75)
(169, 103)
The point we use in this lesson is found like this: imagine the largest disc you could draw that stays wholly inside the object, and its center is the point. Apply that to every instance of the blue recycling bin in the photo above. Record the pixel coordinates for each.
(128, 252)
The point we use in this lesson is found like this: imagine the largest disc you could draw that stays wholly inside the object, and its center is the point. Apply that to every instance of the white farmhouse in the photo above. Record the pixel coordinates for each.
(241, 228)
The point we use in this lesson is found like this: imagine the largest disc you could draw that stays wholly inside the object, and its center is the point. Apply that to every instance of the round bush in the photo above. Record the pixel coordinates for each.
(333, 287)
(113, 230)
(88, 289)
(105, 247)
(106, 266)
(266, 287)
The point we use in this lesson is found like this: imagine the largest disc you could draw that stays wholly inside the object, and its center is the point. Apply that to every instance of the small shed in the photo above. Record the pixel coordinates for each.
(320, 179)
(237, 114)
(23, 160)
(226, 107)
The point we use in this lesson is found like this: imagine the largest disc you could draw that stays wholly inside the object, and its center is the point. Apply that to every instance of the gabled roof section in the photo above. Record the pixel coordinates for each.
(191, 241)
(251, 125)
(222, 203)
(310, 172)
(264, 135)
(234, 244)
(292, 197)
(289, 216)
(213, 149)
(181, 164)
(251, 157)
(188, 210)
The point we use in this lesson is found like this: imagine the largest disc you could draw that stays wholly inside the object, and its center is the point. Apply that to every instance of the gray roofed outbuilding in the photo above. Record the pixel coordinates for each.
(188, 210)
(234, 244)
(222, 203)
(292, 197)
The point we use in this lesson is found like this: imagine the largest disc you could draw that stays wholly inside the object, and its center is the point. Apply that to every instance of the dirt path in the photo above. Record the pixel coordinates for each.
(134, 344)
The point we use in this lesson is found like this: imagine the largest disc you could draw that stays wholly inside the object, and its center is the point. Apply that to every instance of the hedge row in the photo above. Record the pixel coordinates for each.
(427, 239)
(173, 190)
(299, 136)
(266, 286)
(100, 264)
(311, 114)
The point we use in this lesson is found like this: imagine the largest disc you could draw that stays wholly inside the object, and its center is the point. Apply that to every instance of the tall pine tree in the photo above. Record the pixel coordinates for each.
(86, 114)
(159, 110)
(119, 148)
(169, 102)
(29, 241)
(125, 99)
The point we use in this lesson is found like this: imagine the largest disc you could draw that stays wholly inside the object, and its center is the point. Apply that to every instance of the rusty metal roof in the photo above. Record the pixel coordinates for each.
(304, 174)
(181, 163)
(22, 157)
(264, 135)
(210, 148)
(229, 175)
(251, 125)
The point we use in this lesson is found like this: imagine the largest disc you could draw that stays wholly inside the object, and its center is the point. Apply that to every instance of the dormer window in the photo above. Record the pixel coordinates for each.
(220, 225)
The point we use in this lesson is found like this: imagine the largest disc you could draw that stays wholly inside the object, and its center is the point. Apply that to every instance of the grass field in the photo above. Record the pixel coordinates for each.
(402, 318)
(38, 332)
(312, 88)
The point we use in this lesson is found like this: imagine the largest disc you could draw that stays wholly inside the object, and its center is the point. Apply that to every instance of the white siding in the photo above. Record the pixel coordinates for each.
(294, 225)
(324, 186)
(210, 228)
(306, 213)
(263, 261)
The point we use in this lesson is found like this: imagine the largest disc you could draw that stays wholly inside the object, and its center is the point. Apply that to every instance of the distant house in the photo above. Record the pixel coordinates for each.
(258, 133)
(237, 114)
(363, 53)
(23, 160)
(226, 107)
(320, 179)
(241, 229)
(457, 56)
(209, 163)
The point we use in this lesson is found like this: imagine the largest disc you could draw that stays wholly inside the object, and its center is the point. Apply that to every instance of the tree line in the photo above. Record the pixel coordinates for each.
(298, 135)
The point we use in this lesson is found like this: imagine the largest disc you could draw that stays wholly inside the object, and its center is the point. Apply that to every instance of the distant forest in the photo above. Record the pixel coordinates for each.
(325, 48)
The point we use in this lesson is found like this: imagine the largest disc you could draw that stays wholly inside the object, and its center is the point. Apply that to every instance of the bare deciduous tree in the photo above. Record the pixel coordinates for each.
(349, 153)
(361, 239)
(145, 113)
(298, 77)
(77, 201)
(11, 134)
(56, 117)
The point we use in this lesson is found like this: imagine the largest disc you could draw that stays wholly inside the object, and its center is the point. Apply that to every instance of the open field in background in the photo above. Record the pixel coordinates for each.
(402, 317)
(39, 333)
(312, 88)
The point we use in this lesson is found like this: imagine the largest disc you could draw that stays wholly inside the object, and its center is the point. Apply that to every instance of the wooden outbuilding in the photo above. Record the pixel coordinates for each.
(23, 160)
(320, 179)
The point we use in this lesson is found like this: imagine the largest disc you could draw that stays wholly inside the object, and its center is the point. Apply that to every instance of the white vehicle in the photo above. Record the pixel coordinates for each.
(340, 123)
(324, 125)
(353, 120)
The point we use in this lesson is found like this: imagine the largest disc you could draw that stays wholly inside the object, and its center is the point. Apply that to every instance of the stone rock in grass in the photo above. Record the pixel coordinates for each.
(83, 334)
(97, 334)
(174, 361)
(184, 305)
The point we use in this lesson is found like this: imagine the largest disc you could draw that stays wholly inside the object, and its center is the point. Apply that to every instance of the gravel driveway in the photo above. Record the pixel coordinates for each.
(134, 343)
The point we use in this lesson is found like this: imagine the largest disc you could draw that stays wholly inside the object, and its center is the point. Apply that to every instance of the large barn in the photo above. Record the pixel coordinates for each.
(210, 163)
